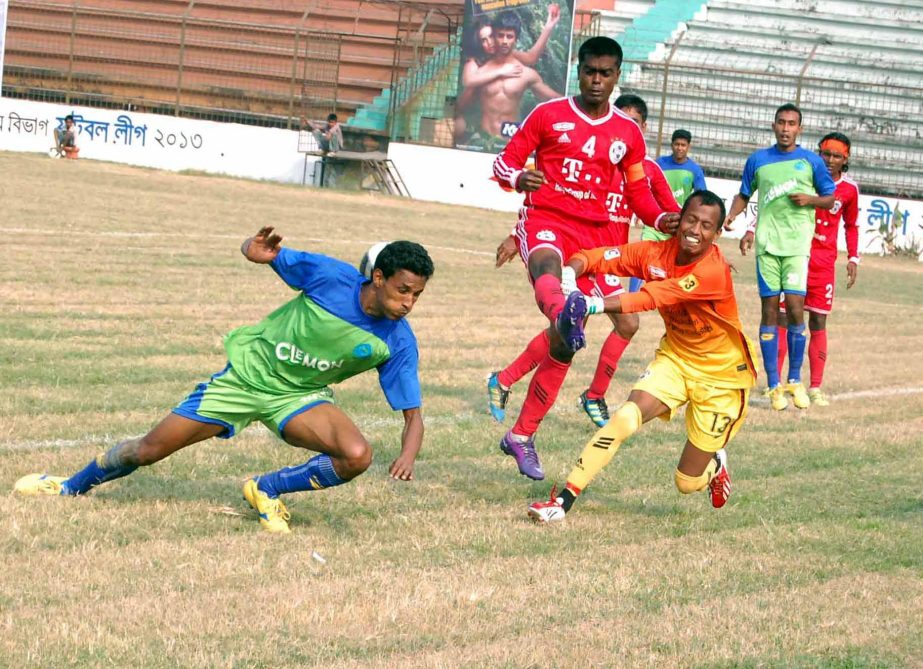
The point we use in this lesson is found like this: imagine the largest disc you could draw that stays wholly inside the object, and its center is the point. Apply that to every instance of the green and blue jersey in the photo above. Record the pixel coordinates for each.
(323, 336)
(783, 228)
(684, 178)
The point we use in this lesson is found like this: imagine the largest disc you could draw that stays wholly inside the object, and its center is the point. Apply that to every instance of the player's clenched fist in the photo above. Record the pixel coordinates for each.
(530, 180)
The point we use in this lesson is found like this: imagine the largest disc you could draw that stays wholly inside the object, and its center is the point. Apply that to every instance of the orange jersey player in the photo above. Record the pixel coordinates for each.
(704, 359)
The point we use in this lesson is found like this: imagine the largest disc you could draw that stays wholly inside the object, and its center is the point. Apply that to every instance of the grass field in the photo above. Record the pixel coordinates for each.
(116, 286)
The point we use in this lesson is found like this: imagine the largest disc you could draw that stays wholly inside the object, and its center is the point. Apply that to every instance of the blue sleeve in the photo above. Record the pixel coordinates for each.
(823, 182)
(698, 181)
(299, 268)
(399, 379)
(749, 176)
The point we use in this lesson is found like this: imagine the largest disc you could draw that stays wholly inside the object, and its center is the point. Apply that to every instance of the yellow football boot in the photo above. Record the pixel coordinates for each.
(274, 516)
(799, 395)
(816, 395)
(39, 484)
(777, 398)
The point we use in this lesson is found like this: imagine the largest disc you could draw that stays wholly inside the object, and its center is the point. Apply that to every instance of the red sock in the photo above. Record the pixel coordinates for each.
(609, 357)
(534, 353)
(543, 391)
(782, 339)
(549, 296)
(817, 355)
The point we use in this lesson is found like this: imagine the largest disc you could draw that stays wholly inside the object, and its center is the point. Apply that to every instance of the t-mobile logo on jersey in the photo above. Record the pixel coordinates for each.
(572, 168)
(614, 201)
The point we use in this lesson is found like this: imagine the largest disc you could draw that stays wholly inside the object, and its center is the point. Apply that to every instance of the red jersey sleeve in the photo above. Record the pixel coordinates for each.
(663, 194)
(850, 224)
(637, 187)
(510, 161)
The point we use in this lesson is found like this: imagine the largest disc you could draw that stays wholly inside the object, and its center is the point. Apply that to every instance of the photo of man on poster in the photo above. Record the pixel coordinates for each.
(515, 54)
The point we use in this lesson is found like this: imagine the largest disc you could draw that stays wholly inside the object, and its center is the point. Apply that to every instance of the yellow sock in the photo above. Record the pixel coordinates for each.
(688, 484)
(602, 447)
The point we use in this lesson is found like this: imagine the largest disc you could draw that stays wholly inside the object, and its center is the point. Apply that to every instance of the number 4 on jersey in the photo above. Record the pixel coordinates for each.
(589, 148)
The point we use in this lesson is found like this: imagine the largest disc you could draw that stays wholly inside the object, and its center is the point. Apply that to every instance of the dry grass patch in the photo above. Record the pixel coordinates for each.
(113, 303)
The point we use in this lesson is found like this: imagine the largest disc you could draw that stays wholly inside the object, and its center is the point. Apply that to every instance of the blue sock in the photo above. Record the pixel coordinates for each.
(769, 346)
(316, 474)
(92, 475)
(796, 344)
(634, 284)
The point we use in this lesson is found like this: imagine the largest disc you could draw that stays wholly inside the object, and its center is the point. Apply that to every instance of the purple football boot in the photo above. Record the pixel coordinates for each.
(569, 322)
(525, 455)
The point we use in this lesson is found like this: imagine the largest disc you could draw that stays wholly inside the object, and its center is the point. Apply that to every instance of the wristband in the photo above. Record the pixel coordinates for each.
(855, 259)
(514, 179)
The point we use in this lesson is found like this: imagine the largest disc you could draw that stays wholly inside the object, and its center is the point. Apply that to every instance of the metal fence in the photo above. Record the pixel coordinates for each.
(725, 90)
(729, 110)
(305, 58)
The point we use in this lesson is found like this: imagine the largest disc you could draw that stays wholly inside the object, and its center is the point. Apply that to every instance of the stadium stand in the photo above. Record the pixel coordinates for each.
(848, 68)
(248, 60)
(718, 68)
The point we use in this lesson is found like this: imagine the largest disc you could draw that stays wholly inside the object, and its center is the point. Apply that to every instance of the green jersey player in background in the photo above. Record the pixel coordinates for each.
(279, 372)
(792, 182)
(684, 175)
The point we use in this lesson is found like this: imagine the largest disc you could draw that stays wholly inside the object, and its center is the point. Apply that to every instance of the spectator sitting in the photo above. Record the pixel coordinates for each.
(330, 139)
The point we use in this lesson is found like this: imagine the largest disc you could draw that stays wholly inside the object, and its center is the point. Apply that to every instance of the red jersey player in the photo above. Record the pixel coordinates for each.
(818, 302)
(579, 144)
(625, 326)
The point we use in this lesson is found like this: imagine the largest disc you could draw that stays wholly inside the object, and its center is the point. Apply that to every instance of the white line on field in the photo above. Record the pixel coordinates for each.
(377, 422)
(856, 394)
(116, 233)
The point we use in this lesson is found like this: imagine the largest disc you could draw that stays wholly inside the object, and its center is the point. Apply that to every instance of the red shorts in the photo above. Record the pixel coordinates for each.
(544, 230)
(821, 287)
(821, 283)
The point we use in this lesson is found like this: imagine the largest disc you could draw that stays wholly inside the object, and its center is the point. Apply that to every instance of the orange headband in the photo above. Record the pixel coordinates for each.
(835, 145)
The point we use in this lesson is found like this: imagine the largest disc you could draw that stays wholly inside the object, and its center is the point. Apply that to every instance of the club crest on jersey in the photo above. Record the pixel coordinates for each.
(688, 283)
(545, 236)
(835, 209)
(564, 139)
(617, 151)
(612, 280)
(362, 351)
(563, 126)
(657, 272)
(610, 254)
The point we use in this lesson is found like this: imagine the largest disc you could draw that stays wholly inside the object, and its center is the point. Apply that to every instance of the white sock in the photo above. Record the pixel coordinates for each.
(595, 305)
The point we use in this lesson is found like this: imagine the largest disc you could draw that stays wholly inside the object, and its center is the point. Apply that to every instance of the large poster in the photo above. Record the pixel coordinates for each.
(515, 54)
(4, 6)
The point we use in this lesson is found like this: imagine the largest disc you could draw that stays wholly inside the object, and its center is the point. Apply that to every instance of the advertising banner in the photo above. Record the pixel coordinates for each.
(515, 54)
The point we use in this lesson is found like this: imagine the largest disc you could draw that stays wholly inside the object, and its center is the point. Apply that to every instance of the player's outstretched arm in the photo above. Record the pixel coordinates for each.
(411, 442)
(531, 56)
(263, 247)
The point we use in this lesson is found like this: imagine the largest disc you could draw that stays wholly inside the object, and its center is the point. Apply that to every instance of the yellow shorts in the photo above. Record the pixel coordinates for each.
(714, 415)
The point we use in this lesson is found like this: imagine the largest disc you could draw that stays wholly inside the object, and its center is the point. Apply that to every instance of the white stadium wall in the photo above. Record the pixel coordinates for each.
(430, 173)
(153, 140)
